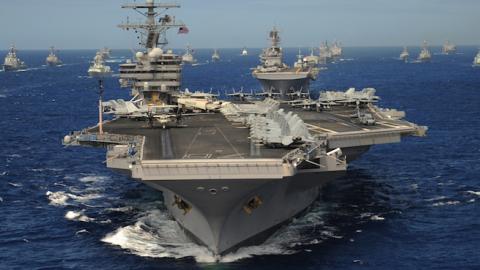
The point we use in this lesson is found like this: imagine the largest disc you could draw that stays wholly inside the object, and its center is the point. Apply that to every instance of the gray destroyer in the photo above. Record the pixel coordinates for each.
(231, 172)
(12, 62)
(276, 77)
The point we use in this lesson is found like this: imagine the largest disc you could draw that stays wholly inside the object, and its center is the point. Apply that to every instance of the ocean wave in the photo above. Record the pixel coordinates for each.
(78, 216)
(93, 179)
(446, 203)
(477, 193)
(3, 96)
(61, 198)
(15, 184)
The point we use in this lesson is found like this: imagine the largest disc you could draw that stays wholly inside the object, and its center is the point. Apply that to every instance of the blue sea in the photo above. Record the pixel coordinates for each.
(412, 205)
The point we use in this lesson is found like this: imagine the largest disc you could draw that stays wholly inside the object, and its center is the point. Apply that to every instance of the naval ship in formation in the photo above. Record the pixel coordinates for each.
(231, 172)
(404, 55)
(52, 58)
(476, 60)
(449, 48)
(187, 57)
(12, 62)
(215, 56)
(244, 52)
(98, 68)
(276, 77)
(425, 54)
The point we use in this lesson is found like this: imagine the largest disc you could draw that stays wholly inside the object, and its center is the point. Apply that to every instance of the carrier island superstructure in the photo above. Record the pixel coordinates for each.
(231, 172)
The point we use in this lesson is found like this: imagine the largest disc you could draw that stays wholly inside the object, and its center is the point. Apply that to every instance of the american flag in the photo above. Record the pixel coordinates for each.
(183, 30)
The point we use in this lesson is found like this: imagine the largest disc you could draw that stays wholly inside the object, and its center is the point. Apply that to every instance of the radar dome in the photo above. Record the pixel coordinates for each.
(149, 2)
(155, 52)
(139, 55)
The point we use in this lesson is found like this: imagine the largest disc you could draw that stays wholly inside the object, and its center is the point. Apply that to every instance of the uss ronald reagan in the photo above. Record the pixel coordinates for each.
(231, 172)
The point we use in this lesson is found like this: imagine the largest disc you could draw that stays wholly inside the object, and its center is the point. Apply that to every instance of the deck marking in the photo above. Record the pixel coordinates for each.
(228, 141)
(317, 127)
(191, 143)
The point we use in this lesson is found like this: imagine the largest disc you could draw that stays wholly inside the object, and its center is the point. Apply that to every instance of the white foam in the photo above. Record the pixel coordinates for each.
(15, 184)
(3, 96)
(57, 198)
(82, 231)
(93, 179)
(60, 198)
(477, 193)
(377, 218)
(445, 203)
(3, 173)
(78, 216)
(1, 199)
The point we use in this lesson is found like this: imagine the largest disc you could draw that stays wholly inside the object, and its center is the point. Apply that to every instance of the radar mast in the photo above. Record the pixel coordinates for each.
(152, 33)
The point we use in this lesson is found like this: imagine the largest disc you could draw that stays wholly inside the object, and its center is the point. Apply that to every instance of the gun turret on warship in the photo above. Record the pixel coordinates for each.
(278, 78)
(232, 172)
(12, 62)
(425, 54)
(52, 58)
(404, 55)
(449, 48)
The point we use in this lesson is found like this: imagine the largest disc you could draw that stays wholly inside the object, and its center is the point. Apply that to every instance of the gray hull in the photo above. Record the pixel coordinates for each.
(285, 86)
(219, 220)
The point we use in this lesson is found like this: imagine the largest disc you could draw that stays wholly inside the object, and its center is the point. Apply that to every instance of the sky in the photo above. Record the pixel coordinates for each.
(91, 24)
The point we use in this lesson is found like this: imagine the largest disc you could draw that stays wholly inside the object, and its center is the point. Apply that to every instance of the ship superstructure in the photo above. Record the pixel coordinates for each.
(98, 68)
(449, 48)
(336, 50)
(476, 60)
(52, 58)
(404, 55)
(233, 171)
(215, 56)
(312, 59)
(12, 62)
(187, 57)
(325, 53)
(105, 52)
(278, 78)
(425, 54)
(244, 51)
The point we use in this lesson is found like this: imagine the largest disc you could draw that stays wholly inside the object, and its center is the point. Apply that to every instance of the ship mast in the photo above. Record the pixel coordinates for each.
(153, 30)
(275, 37)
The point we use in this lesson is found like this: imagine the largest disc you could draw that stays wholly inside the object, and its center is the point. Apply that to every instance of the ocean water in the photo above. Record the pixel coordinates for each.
(413, 205)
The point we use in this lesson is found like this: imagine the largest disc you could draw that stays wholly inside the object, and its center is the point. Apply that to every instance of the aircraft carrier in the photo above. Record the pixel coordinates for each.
(276, 77)
(231, 172)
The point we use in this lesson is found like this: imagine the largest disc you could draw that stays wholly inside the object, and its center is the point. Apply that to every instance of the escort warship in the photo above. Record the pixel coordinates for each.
(244, 52)
(425, 54)
(52, 58)
(276, 77)
(98, 67)
(476, 60)
(12, 62)
(188, 57)
(449, 48)
(404, 55)
(215, 56)
(231, 171)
